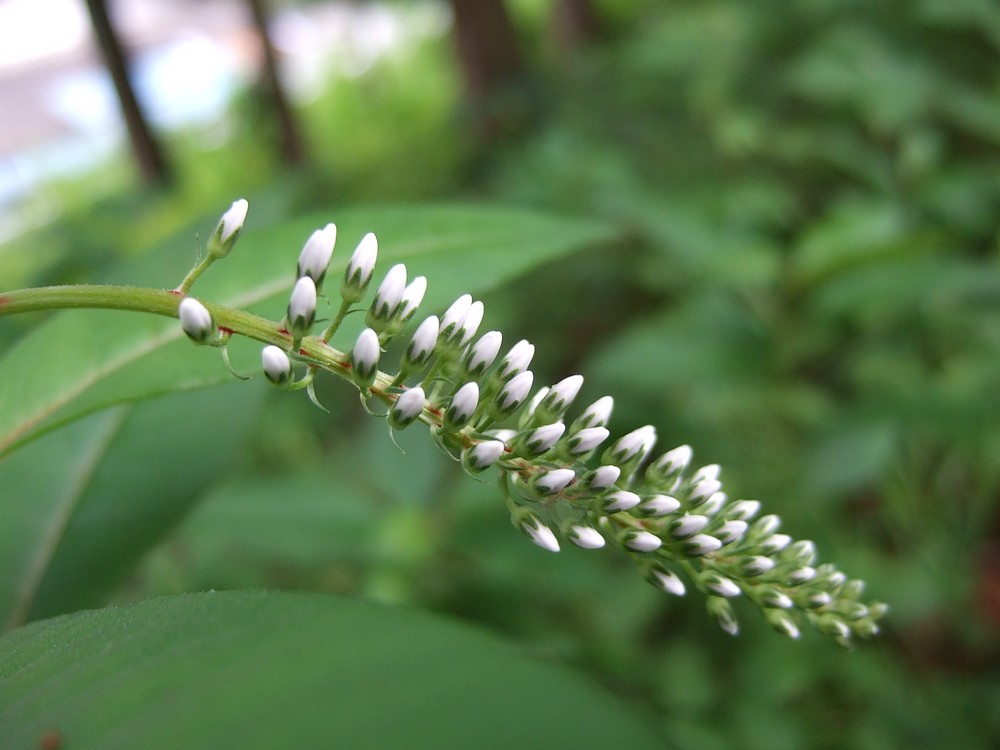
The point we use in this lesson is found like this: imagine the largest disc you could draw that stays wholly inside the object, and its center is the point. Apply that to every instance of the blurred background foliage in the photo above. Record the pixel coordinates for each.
(806, 288)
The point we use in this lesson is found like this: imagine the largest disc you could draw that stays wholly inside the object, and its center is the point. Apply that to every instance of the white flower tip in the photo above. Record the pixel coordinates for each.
(622, 500)
(487, 453)
(195, 319)
(567, 389)
(642, 541)
(410, 403)
(669, 582)
(541, 535)
(605, 476)
(555, 480)
(232, 221)
(277, 365)
(599, 412)
(586, 537)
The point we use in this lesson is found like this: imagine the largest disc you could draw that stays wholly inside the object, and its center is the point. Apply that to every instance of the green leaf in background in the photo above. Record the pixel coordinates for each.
(280, 670)
(80, 505)
(83, 361)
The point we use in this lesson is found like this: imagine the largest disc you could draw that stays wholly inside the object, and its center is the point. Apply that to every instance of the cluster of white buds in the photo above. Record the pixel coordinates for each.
(558, 482)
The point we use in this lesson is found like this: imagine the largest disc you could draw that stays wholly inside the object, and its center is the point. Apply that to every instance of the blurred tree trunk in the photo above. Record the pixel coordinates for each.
(289, 140)
(575, 24)
(147, 150)
(491, 62)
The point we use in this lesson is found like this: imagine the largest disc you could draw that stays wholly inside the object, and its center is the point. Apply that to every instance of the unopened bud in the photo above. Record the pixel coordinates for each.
(277, 365)
(196, 321)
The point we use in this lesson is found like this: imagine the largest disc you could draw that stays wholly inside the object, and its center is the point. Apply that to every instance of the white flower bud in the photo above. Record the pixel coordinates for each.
(701, 544)
(642, 541)
(359, 270)
(604, 476)
(819, 599)
(587, 439)
(529, 410)
(731, 531)
(413, 295)
(302, 307)
(277, 365)
(561, 395)
(756, 565)
(714, 504)
(388, 296)
(743, 510)
(766, 525)
(196, 320)
(454, 316)
(543, 438)
(711, 471)
(365, 357)
(597, 414)
(228, 229)
(316, 253)
(463, 405)
(540, 534)
(703, 490)
(774, 543)
(781, 622)
(514, 393)
(634, 445)
(660, 505)
(408, 406)
(801, 575)
(586, 537)
(422, 344)
(517, 360)
(720, 585)
(802, 552)
(621, 500)
(771, 597)
(482, 353)
(554, 481)
(687, 525)
(471, 322)
(483, 455)
(504, 435)
(668, 581)
(673, 461)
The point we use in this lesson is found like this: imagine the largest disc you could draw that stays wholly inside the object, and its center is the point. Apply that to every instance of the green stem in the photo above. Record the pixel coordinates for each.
(192, 276)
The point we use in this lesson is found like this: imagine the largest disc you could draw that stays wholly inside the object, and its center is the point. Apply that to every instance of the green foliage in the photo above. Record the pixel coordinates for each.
(266, 669)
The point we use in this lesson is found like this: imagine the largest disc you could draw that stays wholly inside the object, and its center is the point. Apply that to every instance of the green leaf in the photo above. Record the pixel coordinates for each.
(82, 504)
(267, 670)
(83, 361)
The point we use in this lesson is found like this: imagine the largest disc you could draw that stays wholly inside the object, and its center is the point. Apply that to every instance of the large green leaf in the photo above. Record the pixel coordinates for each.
(80, 505)
(83, 361)
(268, 670)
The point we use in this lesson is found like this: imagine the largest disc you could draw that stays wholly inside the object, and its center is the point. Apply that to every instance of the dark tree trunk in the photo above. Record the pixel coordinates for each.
(146, 149)
(491, 63)
(575, 24)
(289, 140)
